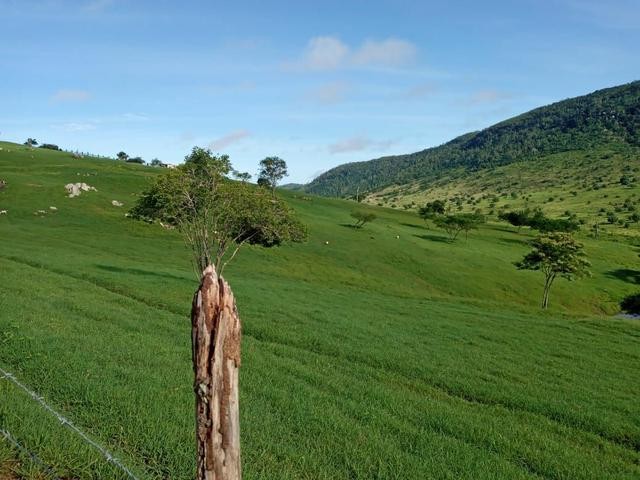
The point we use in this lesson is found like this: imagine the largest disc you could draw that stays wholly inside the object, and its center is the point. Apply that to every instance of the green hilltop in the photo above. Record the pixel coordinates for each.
(607, 119)
(382, 352)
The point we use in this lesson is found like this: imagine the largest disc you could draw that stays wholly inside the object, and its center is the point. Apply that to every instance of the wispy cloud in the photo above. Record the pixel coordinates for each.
(97, 5)
(71, 96)
(135, 117)
(420, 90)
(620, 14)
(329, 93)
(331, 53)
(358, 143)
(75, 126)
(229, 139)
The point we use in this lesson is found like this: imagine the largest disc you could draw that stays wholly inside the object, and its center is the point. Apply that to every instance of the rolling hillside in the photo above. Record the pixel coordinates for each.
(607, 119)
(386, 352)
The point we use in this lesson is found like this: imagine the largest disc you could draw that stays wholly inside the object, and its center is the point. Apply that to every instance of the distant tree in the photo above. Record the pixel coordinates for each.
(31, 142)
(518, 218)
(241, 176)
(49, 146)
(272, 170)
(555, 254)
(362, 217)
(138, 160)
(122, 156)
(156, 163)
(595, 229)
(631, 304)
(432, 209)
(457, 223)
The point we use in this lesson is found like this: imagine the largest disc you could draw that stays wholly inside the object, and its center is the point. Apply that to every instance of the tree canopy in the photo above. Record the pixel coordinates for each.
(432, 209)
(272, 170)
(362, 217)
(461, 222)
(216, 215)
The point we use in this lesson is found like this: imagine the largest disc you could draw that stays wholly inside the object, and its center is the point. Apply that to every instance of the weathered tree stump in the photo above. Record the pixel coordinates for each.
(215, 334)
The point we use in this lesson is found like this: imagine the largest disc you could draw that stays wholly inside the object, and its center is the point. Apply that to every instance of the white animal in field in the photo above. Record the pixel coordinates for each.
(116, 203)
(3, 212)
(53, 209)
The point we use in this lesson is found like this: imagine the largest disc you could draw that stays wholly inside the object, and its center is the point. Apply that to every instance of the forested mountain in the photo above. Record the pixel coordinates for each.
(606, 117)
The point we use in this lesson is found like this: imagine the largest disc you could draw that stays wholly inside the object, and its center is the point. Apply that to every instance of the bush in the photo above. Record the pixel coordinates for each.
(631, 304)
(50, 146)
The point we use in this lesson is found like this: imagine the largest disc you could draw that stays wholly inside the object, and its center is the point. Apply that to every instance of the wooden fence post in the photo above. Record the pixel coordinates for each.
(215, 335)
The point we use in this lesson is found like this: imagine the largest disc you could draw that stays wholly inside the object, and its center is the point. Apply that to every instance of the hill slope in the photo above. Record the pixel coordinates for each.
(609, 117)
(388, 353)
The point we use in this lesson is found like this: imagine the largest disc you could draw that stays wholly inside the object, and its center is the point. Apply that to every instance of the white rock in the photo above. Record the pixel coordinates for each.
(75, 189)
(53, 209)
(116, 203)
(326, 243)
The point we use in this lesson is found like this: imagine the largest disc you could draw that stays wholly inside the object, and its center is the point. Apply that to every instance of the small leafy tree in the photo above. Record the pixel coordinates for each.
(432, 210)
(243, 177)
(362, 217)
(156, 163)
(215, 215)
(555, 254)
(518, 218)
(461, 222)
(272, 170)
(122, 156)
(137, 160)
(31, 142)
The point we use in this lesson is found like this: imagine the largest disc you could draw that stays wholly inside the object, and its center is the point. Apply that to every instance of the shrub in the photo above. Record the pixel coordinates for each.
(631, 304)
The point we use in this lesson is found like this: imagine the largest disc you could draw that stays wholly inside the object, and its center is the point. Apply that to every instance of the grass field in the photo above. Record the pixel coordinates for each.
(389, 353)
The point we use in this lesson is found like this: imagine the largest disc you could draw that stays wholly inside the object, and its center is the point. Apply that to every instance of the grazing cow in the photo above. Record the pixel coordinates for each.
(3, 212)
(3, 184)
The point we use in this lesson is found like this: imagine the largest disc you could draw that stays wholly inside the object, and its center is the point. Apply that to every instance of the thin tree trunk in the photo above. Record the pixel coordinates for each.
(215, 333)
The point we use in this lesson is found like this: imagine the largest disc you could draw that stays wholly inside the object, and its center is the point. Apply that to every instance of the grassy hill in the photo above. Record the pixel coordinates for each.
(386, 353)
(606, 119)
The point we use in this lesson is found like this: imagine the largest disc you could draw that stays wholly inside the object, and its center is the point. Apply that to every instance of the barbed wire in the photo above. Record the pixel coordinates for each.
(32, 456)
(67, 423)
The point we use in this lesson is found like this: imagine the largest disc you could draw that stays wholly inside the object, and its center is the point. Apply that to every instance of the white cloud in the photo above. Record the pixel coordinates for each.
(325, 53)
(331, 53)
(136, 117)
(71, 96)
(386, 53)
(229, 139)
(358, 143)
(329, 93)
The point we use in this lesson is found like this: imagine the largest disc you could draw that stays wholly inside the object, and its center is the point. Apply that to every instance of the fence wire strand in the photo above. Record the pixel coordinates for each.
(32, 456)
(67, 423)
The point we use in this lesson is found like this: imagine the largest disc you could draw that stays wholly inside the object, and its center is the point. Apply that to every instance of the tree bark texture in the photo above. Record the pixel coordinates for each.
(215, 334)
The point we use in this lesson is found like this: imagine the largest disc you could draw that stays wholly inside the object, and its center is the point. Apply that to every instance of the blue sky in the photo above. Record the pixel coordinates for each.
(318, 83)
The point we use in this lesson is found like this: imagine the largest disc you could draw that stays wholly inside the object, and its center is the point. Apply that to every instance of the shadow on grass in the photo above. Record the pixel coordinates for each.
(433, 238)
(413, 225)
(516, 241)
(351, 226)
(626, 275)
(137, 271)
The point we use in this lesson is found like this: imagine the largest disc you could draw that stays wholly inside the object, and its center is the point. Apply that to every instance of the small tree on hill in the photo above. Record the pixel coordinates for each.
(462, 222)
(362, 217)
(272, 170)
(518, 218)
(122, 156)
(243, 177)
(31, 142)
(555, 254)
(432, 210)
